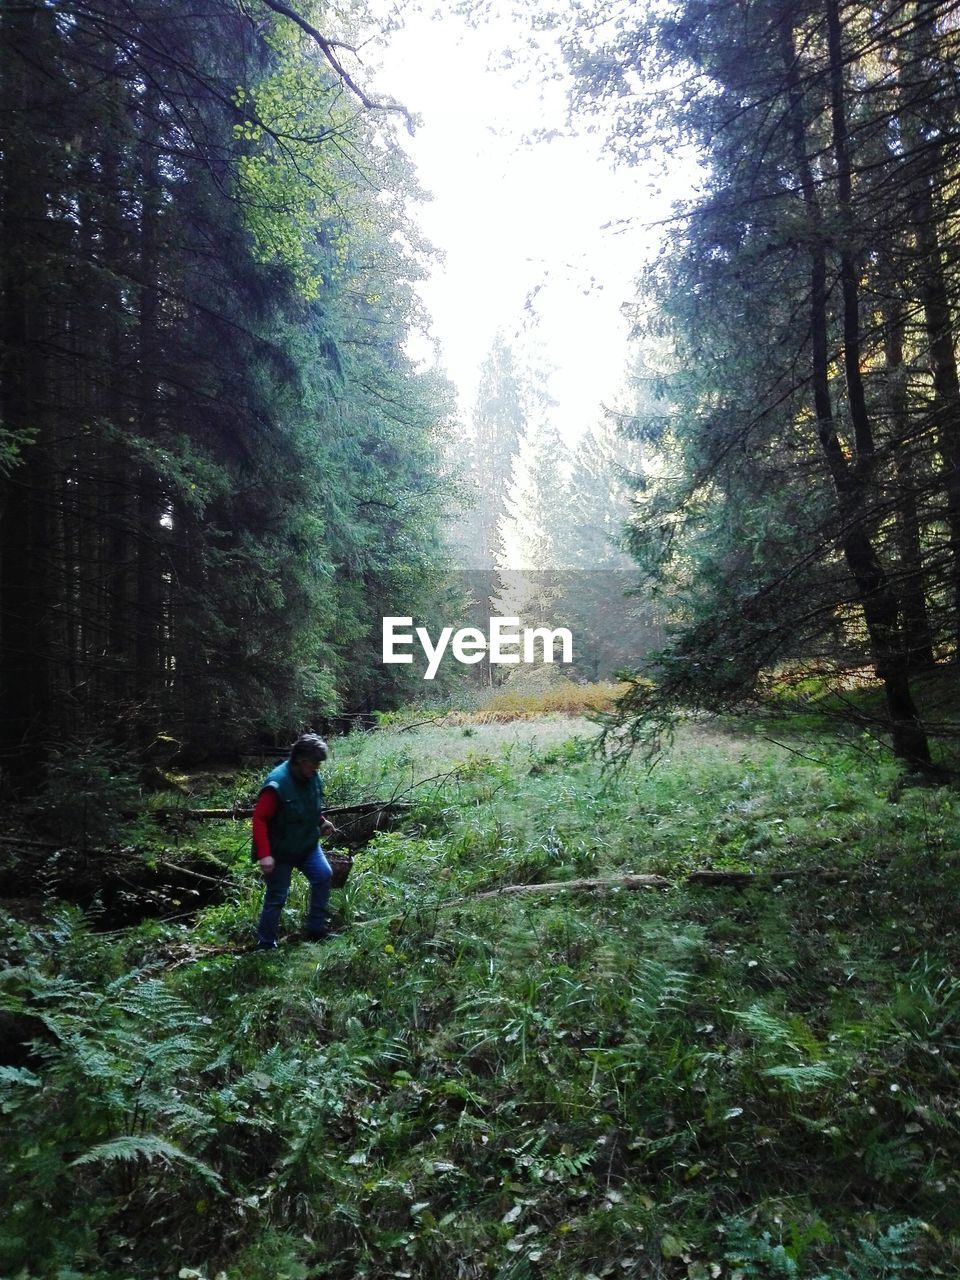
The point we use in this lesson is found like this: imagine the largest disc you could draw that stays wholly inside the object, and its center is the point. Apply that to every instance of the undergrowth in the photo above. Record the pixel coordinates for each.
(690, 1083)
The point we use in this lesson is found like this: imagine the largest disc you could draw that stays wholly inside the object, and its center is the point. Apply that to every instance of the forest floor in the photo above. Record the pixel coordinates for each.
(692, 1081)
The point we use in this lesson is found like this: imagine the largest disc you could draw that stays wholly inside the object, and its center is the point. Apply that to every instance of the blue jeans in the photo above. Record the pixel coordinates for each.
(317, 870)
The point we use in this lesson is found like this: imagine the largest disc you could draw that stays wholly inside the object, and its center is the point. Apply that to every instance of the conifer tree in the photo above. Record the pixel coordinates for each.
(613, 625)
(217, 460)
(497, 423)
(805, 501)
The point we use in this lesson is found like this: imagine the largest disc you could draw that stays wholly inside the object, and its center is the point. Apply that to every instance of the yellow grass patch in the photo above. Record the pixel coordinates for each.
(564, 698)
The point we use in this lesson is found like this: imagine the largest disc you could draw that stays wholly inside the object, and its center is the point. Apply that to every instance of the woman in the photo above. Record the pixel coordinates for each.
(287, 825)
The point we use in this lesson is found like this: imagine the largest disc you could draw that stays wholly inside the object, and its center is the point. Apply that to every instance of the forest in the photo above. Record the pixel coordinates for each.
(642, 958)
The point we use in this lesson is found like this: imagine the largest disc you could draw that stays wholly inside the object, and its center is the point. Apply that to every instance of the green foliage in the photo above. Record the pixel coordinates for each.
(85, 789)
(132, 1148)
(889, 1257)
(757, 1256)
(790, 502)
(285, 178)
(12, 445)
(757, 1081)
(114, 1061)
(236, 472)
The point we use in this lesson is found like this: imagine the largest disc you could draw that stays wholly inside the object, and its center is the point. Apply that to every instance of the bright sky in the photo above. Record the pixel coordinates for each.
(521, 226)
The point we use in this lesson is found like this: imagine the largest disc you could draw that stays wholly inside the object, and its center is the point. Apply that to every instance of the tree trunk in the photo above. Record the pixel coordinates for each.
(874, 590)
(916, 622)
(24, 525)
(926, 158)
(115, 479)
(149, 674)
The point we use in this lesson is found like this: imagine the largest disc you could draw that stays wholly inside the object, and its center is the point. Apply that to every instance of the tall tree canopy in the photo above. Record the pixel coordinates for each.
(218, 463)
(805, 502)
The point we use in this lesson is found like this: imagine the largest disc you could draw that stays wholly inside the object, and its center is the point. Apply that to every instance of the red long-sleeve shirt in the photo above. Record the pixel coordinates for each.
(268, 802)
(266, 807)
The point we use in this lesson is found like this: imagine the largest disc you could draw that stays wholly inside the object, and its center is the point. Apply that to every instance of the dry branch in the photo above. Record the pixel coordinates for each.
(420, 724)
(629, 881)
(34, 844)
(634, 880)
(245, 811)
(179, 869)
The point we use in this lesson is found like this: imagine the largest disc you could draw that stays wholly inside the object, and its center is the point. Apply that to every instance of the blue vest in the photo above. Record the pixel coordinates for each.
(295, 828)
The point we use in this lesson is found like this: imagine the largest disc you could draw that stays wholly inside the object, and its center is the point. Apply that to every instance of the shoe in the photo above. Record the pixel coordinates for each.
(266, 946)
(310, 935)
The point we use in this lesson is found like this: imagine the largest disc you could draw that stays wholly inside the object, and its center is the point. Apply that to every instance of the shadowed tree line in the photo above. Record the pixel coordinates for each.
(217, 461)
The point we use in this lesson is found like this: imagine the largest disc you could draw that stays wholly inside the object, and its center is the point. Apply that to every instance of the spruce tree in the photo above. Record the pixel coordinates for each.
(804, 505)
(218, 461)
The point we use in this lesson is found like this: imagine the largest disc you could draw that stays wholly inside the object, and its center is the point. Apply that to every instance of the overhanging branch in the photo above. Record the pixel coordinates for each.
(327, 48)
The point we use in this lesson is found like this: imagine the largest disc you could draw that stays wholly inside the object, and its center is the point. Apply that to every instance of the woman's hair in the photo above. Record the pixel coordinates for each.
(309, 745)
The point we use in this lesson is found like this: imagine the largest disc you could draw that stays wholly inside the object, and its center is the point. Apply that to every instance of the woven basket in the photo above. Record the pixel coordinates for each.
(340, 865)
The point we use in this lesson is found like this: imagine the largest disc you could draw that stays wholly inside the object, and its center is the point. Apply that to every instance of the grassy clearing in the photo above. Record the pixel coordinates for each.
(687, 1084)
(558, 697)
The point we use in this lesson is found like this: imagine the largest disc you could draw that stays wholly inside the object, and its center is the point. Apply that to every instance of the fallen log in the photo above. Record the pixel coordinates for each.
(179, 869)
(629, 881)
(34, 844)
(635, 880)
(632, 880)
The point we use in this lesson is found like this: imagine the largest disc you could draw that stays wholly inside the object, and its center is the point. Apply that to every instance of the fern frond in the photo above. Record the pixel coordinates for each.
(798, 1078)
(765, 1027)
(888, 1257)
(19, 1076)
(151, 1000)
(147, 1147)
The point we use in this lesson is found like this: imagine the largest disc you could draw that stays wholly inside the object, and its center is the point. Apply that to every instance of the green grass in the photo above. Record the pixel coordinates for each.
(689, 1083)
